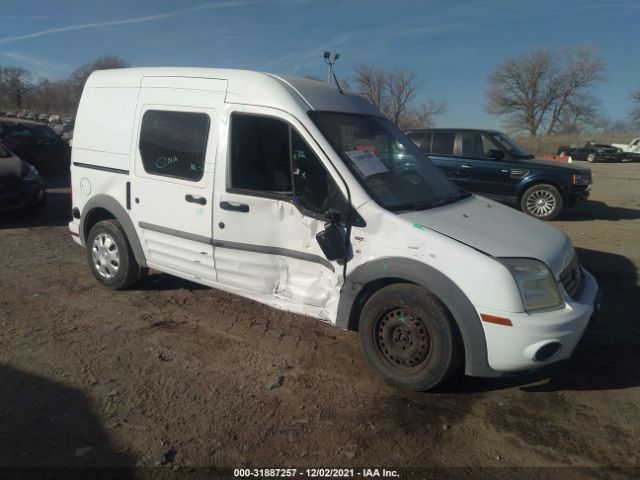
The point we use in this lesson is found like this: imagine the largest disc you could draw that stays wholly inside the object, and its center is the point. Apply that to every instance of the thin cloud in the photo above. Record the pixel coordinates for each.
(125, 21)
(35, 61)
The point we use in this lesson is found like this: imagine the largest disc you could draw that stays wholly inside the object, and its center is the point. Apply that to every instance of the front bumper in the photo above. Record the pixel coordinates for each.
(579, 194)
(527, 344)
(21, 195)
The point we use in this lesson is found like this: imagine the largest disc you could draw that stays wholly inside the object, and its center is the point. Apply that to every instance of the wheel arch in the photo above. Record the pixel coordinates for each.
(104, 207)
(542, 181)
(370, 277)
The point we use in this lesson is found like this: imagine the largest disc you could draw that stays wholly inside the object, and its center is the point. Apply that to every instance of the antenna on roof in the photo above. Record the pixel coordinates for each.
(331, 74)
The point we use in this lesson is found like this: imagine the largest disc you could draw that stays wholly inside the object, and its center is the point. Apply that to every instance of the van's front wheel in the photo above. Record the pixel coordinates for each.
(110, 256)
(408, 337)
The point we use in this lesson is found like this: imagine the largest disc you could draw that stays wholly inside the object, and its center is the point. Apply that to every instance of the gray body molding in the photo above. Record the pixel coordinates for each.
(121, 215)
(463, 312)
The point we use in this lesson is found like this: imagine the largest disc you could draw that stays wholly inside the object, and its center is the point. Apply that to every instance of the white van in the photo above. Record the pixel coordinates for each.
(297, 195)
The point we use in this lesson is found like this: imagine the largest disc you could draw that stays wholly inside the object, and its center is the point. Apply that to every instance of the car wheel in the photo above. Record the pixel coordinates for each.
(591, 157)
(409, 338)
(542, 201)
(110, 256)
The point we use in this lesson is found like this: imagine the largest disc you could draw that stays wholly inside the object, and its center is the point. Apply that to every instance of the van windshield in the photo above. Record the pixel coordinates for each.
(390, 167)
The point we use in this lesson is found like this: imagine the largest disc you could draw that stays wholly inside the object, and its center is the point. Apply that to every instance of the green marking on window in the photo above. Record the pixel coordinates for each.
(419, 226)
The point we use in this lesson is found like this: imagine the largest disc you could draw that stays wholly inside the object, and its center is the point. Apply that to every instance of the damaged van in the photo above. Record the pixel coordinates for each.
(295, 194)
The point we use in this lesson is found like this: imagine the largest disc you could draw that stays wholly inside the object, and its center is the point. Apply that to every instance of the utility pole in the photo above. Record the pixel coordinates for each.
(327, 60)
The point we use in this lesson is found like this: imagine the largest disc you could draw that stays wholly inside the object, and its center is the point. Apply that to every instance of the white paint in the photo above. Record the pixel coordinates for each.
(449, 239)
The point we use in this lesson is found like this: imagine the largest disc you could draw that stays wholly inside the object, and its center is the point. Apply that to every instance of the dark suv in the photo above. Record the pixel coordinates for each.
(491, 164)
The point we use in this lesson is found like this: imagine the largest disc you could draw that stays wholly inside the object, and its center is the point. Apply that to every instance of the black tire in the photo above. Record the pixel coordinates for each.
(124, 272)
(591, 158)
(542, 201)
(409, 338)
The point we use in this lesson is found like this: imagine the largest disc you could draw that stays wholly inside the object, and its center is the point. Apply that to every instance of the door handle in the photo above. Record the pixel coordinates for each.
(195, 199)
(241, 207)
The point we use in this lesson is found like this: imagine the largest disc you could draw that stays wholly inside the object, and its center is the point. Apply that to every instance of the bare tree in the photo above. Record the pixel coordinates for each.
(394, 94)
(80, 74)
(15, 84)
(635, 112)
(541, 88)
(372, 84)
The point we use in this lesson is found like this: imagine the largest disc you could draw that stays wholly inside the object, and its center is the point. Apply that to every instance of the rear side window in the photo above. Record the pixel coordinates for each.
(173, 144)
(443, 143)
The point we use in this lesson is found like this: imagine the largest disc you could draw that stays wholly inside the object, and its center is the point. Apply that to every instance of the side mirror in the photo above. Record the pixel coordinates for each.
(332, 242)
(495, 154)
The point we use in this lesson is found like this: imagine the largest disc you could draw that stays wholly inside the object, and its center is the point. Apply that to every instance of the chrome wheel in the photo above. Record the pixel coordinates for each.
(106, 257)
(541, 203)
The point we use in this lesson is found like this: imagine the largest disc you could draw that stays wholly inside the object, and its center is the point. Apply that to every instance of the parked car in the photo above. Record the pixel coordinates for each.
(37, 144)
(54, 119)
(591, 152)
(630, 151)
(286, 191)
(32, 116)
(44, 117)
(489, 163)
(20, 184)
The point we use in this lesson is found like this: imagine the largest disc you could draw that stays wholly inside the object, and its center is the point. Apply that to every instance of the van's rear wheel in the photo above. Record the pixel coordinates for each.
(110, 256)
(408, 337)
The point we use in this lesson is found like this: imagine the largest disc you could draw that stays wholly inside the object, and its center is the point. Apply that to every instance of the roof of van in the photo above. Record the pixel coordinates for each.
(243, 86)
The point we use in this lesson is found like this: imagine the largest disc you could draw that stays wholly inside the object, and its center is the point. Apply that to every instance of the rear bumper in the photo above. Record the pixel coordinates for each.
(538, 339)
(74, 229)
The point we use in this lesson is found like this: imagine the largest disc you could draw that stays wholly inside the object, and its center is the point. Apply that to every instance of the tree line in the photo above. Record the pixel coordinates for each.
(19, 90)
(539, 92)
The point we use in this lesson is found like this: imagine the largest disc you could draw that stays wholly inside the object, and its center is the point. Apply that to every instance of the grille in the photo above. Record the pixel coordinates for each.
(571, 277)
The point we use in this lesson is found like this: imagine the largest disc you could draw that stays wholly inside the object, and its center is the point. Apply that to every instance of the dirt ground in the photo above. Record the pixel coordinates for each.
(174, 374)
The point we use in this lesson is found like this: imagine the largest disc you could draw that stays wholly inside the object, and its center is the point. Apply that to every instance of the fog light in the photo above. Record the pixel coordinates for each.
(547, 351)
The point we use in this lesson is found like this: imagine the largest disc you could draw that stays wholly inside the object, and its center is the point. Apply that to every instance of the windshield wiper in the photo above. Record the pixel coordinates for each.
(412, 206)
(450, 199)
(434, 204)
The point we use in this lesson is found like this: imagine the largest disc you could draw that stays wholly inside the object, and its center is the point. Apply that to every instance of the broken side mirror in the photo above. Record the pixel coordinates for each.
(332, 242)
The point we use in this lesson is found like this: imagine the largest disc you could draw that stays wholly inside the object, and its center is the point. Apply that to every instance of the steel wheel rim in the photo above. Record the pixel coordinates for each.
(402, 339)
(541, 203)
(106, 256)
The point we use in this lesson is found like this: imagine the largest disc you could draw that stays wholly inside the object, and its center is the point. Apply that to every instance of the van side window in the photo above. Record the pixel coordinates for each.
(260, 154)
(267, 154)
(173, 144)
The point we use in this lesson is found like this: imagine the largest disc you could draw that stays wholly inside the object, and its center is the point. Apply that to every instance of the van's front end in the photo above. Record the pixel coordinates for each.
(510, 288)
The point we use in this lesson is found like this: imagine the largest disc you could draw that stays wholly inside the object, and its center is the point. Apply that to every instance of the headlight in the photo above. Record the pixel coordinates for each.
(32, 176)
(580, 179)
(535, 282)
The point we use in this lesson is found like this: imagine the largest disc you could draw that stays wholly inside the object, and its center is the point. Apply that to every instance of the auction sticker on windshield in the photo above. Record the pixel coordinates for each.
(366, 162)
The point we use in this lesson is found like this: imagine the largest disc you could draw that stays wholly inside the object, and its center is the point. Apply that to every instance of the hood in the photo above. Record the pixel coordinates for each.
(498, 231)
(553, 165)
(12, 169)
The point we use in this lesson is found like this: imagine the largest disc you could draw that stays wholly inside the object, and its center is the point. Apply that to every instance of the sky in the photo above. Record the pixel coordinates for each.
(452, 46)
